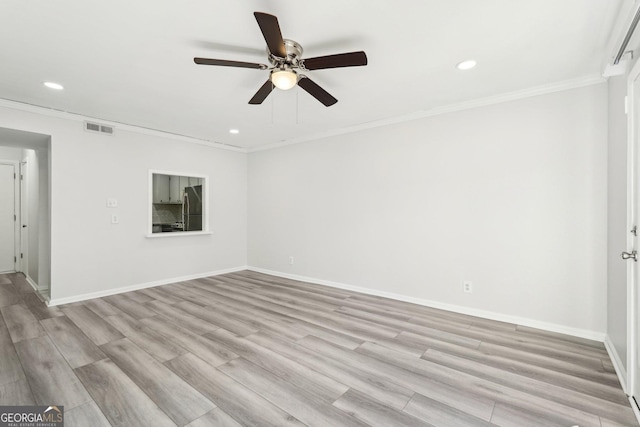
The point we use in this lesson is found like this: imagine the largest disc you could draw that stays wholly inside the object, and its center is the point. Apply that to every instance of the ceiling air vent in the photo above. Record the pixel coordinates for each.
(96, 127)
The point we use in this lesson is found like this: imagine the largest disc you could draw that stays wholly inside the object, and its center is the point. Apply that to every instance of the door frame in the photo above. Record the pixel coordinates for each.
(16, 212)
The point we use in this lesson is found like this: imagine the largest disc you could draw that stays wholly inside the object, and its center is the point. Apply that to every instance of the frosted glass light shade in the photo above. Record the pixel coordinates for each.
(284, 79)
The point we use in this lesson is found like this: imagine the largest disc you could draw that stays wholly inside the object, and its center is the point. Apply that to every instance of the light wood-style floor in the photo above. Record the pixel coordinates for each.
(256, 350)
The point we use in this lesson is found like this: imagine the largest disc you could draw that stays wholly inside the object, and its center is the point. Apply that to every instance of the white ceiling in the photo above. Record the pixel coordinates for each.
(132, 61)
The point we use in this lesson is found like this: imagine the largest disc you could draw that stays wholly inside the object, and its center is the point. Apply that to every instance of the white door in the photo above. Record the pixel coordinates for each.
(23, 259)
(631, 253)
(7, 218)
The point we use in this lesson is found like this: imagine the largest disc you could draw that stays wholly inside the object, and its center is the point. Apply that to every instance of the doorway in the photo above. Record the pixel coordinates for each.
(32, 205)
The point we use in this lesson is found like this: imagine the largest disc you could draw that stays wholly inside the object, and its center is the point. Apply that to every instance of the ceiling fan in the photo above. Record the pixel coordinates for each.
(285, 57)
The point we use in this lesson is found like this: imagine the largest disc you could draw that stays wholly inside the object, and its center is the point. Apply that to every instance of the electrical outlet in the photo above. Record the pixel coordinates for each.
(115, 219)
(290, 260)
(467, 286)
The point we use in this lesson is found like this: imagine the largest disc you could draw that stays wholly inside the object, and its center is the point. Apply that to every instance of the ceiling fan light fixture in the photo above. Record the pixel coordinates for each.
(284, 79)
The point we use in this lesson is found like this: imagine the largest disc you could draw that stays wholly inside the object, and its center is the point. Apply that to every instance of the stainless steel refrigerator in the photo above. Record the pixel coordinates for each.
(192, 208)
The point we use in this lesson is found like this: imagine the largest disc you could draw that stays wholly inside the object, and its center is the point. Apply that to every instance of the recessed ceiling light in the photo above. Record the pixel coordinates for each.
(52, 85)
(466, 65)
(234, 131)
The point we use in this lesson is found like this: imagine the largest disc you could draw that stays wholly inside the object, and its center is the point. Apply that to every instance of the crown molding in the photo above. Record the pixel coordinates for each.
(50, 112)
(417, 115)
(467, 105)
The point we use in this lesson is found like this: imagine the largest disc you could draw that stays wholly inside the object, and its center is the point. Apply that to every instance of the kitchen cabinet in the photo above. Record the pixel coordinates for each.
(160, 188)
(175, 189)
(167, 189)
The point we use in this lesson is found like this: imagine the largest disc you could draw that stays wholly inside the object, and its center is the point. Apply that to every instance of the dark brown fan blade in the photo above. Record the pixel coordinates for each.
(262, 93)
(316, 91)
(351, 59)
(271, 32)
(225, 63)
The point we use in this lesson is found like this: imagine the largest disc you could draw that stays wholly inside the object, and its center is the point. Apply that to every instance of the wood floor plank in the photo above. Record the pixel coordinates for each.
(119, 398)
(137, 296)
(10, 366)
(8, 294)
(93, 326)
(509, 416)
(599, 374)
(22, 324)
(130, 307)
(298, 375)
(242, 404)
(51, 379)
(272, 312)
(74, 345)
(406, 327)
(380, 389)
(592, 388)
(210, 351)
(182, 318)
(39, 309)
(20, 283)
(582, 401)
(217, 418)
(88, 414)
(255, 319)
(296, 401)
(476, 405)
(441, 415)
(148, 339)
(159, 295)
(17, 393)
(475, 390)
(101, 307)
(181, 402)
(375, 413)
(211, 316)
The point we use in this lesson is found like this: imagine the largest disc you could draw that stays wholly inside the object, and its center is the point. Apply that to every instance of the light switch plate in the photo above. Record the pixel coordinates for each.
(112, 203)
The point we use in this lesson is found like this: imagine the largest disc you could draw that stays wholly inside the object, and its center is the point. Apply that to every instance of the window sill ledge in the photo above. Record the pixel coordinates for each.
(178, 234)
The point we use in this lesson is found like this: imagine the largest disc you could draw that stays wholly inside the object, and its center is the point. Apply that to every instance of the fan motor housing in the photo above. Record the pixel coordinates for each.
(294, 52)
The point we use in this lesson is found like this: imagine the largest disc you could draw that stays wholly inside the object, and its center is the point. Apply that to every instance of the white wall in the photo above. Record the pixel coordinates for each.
(88, 253)
(510, 196)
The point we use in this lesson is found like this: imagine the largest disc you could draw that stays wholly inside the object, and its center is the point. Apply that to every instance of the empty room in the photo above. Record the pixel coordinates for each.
(362, 213)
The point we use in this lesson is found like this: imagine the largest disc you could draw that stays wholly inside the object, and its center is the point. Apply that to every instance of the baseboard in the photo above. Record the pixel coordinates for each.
(30, 281)
(621, 372)
(100, 294)
(523, 321)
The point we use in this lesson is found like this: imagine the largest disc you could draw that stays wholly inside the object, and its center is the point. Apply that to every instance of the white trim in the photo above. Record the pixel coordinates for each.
(105, 293)
(121, 126)
(30, 281)
(452, 108)
(621, 372)
(178, 234)
(522, 321)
